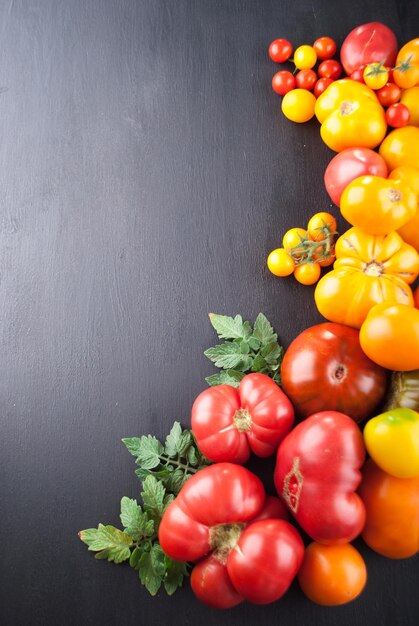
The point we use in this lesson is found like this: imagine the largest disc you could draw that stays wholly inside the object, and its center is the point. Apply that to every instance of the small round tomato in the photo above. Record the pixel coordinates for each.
(305, 57)
(410, 51)
(410, 98)
(375, 75)
(298, 105)
(283, 82)
(406, 74)
(280, 50)
(397, 115)
(389, 94)
(307, 273)
(321, 86)
(330, 69)
(293, 238)
(306, 79)
(401, 147)
(320, 225)
(331, 258)
(332, 574)
(325, 47)
(358, 74)
(389, 336)
(280, 263)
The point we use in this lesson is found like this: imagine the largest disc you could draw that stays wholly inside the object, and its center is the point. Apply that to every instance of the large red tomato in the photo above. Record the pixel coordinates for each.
(325, 368)
(369, 43)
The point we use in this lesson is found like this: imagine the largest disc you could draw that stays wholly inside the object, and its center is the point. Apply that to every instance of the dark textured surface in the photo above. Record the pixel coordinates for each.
(145, 173)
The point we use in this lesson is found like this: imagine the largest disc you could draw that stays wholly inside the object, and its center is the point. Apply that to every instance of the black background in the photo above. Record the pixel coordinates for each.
(145, 172)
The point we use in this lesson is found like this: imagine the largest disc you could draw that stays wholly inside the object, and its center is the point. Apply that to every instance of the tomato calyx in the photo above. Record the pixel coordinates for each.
(394, 195)
(242, 420)
(376, 69)
(373, 268)
(293, 484)
(404, 66)
(223, 538)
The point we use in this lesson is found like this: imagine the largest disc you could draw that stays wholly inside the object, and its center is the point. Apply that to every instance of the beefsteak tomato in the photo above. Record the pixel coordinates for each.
(368, 43)
(403, 391)
(409, 175)
(401, 147)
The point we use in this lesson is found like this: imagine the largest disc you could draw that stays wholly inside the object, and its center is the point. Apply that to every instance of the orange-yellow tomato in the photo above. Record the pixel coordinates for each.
(320, 226)
(307, 273)
(369, 269)
(392, 507)
(378, 205)
(389, 336)
(410, 98)
(410, 176)
(406, 75)
(292, 240)
(332, 574)
(401, 147)
(410, 50)
(280, 263)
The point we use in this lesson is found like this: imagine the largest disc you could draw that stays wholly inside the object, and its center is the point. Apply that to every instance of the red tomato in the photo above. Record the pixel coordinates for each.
(397, 115)
(283, 82)
(280, 50)
(325, 368)
(389, 94)
(325, 47)
(368, 43)
(321, 85)
(317, 473)
(306, 79)
(330, 69)
(350, 164)
(358, 74)
(229, 423)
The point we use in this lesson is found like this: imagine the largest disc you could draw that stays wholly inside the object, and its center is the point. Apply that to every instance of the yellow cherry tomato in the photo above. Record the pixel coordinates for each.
(320, 225)
(280, 263)
(410, 98)
(298, 105)
(305, 57)
(293, 238)
(375, 75)
(307, 273)
(409, 175)
(401, 147)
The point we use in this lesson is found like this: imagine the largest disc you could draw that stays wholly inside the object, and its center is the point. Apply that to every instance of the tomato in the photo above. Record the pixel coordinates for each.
(368, 43)
(401, 147)
(325, 368)
(212, 518)
(293, 238)
(332, 575)
(321, 86)
(317, 474)
(410, 98)
(410, 51)
(409, 175)
(324, 259)
(348, 165)
(306, 79)
(229, 424)
(330, 69)
(280, 263)
(406, 75)
(390, 336)
(378, 205)
(358, 74)
(416, 295)
(320, 226)
(325, 47)
(307, 273)
(305, 57)
(280, 50)
(389, 94)
(375, 75)
(392, 507)
(397, 115)
(283, 82)
(298, 105)
(403, 390)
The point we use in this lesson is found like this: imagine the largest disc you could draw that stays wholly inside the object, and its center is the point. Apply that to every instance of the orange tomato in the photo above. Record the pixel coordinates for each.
(410, 98)
(332, 574)
(392, 507)
(406, 76)
(409, 50)
(409, 175)
(293, 238)
(320, 225)
(401, 147)
(307, 273)
(389, 336)
(416, 296)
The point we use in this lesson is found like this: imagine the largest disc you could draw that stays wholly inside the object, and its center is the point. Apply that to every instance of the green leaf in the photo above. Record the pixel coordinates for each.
(228, 327)
(175, 572)
(175, 481)
(177, 441)
(149, 577)
(229, 377)
(113, 544)
(271, 352)
(135, 521)
(153, 496)
(135, 557)
(254, 344)
(263, 330)
(146, 449)
(258, 363)
(225, 355)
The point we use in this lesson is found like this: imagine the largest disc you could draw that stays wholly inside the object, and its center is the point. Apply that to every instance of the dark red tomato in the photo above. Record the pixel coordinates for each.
(358, 74)
(348, 165)
(368, 43)
(280, 50)
(329, 69)
(389, 94)
(325, 369)
(325, 47)
(397, 115)
(306, 79)
(321, 85)
(283, 82)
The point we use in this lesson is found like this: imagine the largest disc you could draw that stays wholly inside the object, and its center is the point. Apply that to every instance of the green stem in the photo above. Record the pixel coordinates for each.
(186, 467)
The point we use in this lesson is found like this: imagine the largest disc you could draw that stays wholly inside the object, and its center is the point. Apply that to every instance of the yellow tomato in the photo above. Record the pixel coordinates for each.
(410, 98)
(298, 105)
(307, 273)
(280, 263)
(375, 75)
(321, 225)
(409, 175)
(293, 238)
(401, 147)
(305, 57)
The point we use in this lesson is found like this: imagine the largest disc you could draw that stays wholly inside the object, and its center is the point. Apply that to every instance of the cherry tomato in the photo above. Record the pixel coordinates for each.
(280, 50)
(293, 238)
(410, 98)
(307, 273)
(332, 574)
(321, 86)
(397, 115)
(406, 74)
(389, 94)
(283, 82)
(319, 226)
(327, 261)
(375, 75)
(306, 79)
(305, 57)
(280, 263)
(298, 105)
(330, 69)
(358, 74)
(325, 47)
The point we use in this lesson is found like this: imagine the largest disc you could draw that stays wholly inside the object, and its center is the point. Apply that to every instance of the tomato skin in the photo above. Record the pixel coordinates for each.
(389, 94)
(401, 147)
(389, 336)
(368, 43)
(392, 512)
(409, 175)
(358, 74)
(325, 368)
(348, 165)
(397, 115)
(298, 105)
(307, 273)
(325, 449)
(280, 263)
(410, 98)
(332, 575)
(293, 238)
(416, 296)
(230, 423)
(211, 584)
(325, 48)
(306, 79)
(406, 78)
(410, 50)
(321, 86)
(280, 50)
(330, 69)
(283, 82)
(305, 57)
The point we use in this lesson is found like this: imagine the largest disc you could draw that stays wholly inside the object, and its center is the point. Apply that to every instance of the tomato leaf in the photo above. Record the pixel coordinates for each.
(109, 542)
(225, 355)
(230, 327)
(174, 574)
(263, 330)
(136, 522)
(150, 567)
(229, 377)
(146, 449)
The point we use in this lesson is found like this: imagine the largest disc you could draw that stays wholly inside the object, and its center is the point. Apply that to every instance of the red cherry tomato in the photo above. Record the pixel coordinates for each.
(397, 115)
(389, 94)
(306, 79)
(280, 50)
(329, 69)
(325, 47)
(358, 74)
(283, 82)
(321, 85)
